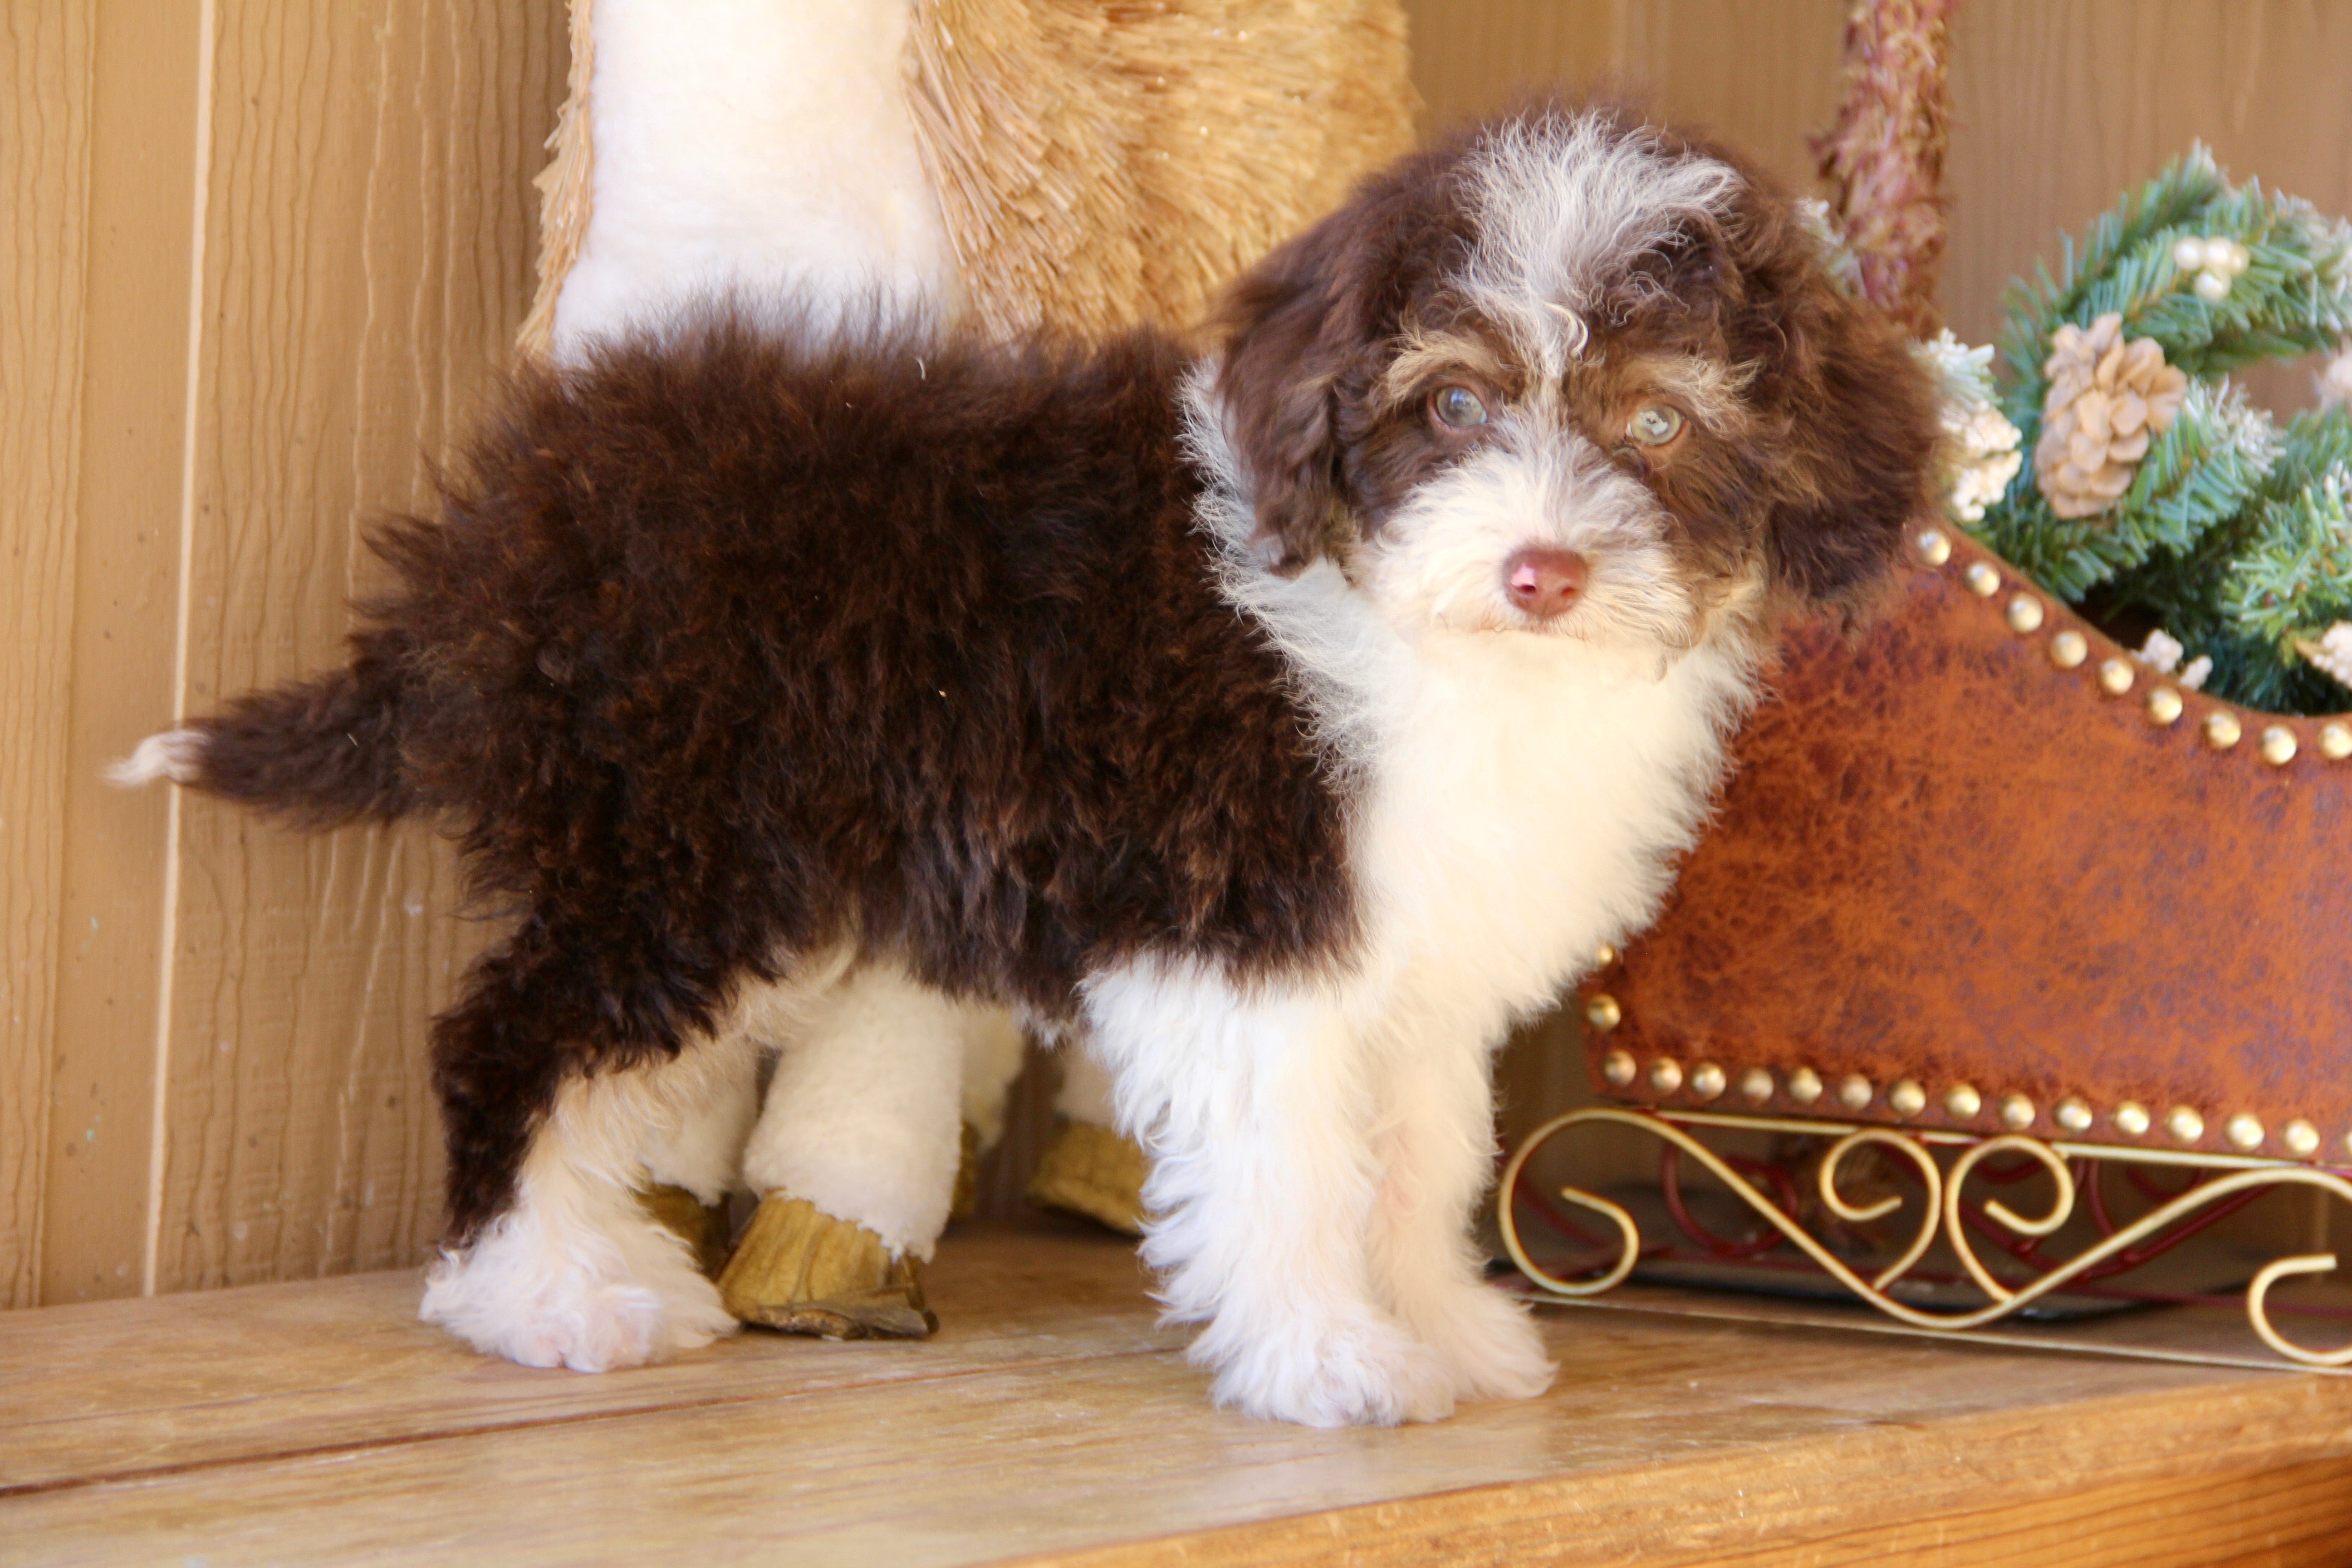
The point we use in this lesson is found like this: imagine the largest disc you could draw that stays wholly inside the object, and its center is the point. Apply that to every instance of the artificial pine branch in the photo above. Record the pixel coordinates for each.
(2230, 532)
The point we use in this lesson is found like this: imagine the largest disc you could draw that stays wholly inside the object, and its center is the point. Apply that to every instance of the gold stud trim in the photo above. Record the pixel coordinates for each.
(2300, 1138)
(2185, 1125)
(2335, 741)
(1934, 548)
(2024, 615)
(2223, 731)
(2116, 675)
(2069, 649)
(1804, 1086)
(1982, 580)
(1961, 1101)
(1618, 1068)
(2072, 1113)
(1602, 1012)
(1604, 955)
(1665, 1075)
(2244, 1132)
(1756, 1084)
(1707, 1081)
(2132, 1118)
(2164, 705)
(1906, 1097)
(1854, 1091)
(2279, 745)
(2016, 1112)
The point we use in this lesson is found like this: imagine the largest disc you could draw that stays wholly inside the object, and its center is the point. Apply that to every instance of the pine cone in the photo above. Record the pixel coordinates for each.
(2106, 399)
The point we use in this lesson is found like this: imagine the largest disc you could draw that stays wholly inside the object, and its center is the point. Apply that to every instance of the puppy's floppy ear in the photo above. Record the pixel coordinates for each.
(1292, 325)
(1859, 413)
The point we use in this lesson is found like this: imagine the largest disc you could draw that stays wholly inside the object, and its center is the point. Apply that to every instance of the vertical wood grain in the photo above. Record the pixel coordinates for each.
(1761, 74)
(1471, 58)
(366, 261)
(45, 61)
(133, 397)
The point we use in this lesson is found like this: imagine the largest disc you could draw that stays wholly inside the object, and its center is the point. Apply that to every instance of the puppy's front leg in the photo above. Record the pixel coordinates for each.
(1254, 1108)
(1436, 1149)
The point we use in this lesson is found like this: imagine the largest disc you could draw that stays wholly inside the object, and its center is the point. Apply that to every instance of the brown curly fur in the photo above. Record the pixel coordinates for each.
(731, 648)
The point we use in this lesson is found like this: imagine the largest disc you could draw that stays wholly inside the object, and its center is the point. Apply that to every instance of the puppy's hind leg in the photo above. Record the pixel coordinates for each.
(694, 1165)
(1255, 1109)
(552, 1261)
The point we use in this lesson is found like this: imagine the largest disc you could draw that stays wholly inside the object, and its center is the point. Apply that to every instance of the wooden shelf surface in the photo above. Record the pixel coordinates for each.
(1052, 1421)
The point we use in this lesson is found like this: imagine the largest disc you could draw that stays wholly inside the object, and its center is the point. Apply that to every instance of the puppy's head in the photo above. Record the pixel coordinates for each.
(1573, 376)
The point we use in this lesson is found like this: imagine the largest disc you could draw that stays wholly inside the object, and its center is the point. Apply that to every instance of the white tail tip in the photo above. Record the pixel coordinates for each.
(174, 755)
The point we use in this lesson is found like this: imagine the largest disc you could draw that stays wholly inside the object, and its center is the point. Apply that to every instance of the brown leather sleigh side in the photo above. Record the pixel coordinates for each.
(1980, 869)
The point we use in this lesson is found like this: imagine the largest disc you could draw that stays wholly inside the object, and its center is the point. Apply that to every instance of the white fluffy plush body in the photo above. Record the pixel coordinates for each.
(761, 149)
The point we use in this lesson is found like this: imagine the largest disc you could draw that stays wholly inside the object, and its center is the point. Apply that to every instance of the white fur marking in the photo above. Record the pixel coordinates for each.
(576, 1273)
(1564, 203)
(173, 754)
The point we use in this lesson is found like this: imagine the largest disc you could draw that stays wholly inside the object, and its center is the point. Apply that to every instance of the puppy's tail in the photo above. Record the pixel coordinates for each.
(317, 753)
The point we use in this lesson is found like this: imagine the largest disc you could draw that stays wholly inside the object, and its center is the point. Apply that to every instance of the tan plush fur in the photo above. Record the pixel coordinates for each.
(1098, 165)
(565, 187)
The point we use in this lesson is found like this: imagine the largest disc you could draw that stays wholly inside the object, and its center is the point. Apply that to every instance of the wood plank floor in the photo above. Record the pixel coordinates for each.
(1051, 1421)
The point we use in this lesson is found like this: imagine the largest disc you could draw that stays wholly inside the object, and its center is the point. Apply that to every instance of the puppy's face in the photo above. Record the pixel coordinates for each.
(1572, 377)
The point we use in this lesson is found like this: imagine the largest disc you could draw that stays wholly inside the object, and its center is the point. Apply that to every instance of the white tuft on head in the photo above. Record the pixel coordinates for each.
(1562, 203)
(174, 755)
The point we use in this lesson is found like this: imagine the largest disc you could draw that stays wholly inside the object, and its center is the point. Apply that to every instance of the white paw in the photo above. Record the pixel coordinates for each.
(1489, 1342)
(1361, 1372)
(511, 1295)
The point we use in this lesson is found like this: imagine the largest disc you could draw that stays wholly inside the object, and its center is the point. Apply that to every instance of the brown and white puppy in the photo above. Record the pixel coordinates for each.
(1287, 722)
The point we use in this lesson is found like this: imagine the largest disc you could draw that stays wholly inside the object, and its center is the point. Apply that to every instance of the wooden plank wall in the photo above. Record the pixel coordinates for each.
(263, 255)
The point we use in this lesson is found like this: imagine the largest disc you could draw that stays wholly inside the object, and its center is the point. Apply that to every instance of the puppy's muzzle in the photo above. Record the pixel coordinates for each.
(1544, 582)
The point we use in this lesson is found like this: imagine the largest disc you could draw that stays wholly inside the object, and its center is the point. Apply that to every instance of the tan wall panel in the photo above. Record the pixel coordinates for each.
(367, 258)
(2059, 108)
(133, 396)
(45, 63)
(1762, 74)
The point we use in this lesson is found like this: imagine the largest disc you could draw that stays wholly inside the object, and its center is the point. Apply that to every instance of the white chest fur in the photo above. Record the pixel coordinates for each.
(1527, 798)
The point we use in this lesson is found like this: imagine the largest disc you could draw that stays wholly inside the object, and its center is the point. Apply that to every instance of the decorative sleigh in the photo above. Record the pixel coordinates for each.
(1992, 899)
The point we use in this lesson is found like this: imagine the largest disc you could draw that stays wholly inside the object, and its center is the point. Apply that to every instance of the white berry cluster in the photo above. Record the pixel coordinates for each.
(2161, 653)
(2216, 262)
(1981, 452)
(2332, 652)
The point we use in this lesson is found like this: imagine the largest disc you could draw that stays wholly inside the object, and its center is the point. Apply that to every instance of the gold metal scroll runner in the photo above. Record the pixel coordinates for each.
(1942, 1213)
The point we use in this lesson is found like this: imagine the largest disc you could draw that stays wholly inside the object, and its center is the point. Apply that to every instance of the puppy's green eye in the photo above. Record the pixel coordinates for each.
(1654, 425)
(1457, 409)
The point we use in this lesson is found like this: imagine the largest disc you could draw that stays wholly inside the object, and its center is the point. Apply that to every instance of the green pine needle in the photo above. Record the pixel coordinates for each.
(2232, 534)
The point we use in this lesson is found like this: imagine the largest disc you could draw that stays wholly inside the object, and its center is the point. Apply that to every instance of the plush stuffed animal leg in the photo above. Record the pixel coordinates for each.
(1089, 1168)
(853, 1158)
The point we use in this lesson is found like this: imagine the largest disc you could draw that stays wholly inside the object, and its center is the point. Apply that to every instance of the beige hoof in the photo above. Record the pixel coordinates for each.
(704, 1226)
(802, 1271)
(1092, 1171)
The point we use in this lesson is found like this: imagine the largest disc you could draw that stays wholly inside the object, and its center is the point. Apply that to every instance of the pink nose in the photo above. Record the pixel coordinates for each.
(1545, 583)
